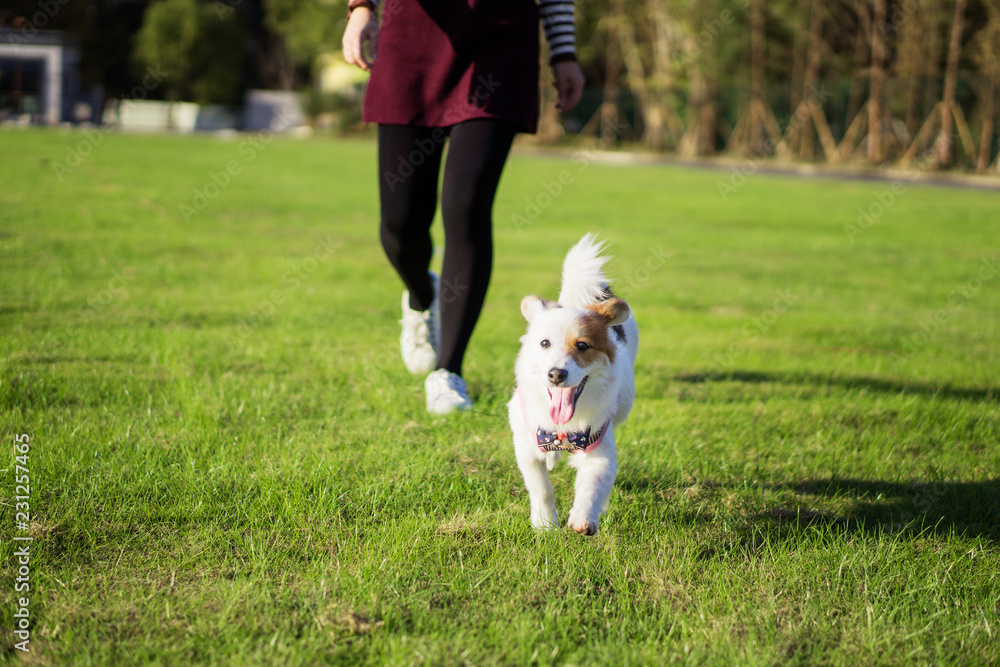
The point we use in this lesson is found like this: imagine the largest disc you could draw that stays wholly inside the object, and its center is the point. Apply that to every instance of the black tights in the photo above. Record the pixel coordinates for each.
(409, 163)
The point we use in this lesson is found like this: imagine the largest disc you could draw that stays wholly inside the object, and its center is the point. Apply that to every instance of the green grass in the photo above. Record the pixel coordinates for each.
(229, 464)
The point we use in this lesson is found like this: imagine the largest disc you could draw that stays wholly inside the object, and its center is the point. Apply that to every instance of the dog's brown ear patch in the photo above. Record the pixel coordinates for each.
(591, 330)
(614, 310)
(531, 305)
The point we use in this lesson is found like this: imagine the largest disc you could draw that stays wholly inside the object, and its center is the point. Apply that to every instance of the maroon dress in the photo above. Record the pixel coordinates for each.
(441, 62)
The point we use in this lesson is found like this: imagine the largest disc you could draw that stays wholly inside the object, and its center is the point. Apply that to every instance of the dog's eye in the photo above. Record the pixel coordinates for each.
(545, 342)
(582, 346)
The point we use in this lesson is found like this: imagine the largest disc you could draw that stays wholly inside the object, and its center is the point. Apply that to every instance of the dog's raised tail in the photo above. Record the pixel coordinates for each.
(583, 280)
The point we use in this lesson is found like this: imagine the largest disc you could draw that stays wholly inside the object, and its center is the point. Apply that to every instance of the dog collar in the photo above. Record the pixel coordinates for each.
(573, 441)
(578, 441)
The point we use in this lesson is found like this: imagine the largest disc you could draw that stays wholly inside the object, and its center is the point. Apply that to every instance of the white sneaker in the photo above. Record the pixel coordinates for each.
(421, 334)
(446, 392)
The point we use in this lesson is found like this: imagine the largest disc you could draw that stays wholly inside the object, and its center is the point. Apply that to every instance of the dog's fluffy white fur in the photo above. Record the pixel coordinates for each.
(574, 372)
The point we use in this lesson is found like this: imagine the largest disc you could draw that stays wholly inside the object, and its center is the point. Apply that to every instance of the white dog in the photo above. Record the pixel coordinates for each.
(575, 385)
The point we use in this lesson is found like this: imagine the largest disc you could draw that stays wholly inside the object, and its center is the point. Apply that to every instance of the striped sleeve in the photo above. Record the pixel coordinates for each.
(560, 32)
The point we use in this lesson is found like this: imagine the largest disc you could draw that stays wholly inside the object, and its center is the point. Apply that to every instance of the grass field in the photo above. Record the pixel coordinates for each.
(229, 465)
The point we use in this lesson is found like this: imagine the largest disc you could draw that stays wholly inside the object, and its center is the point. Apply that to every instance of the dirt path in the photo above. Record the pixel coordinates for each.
(771, 166)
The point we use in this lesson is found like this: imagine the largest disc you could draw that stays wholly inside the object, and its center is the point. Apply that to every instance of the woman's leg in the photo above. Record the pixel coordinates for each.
(477, 152)
(409, 159)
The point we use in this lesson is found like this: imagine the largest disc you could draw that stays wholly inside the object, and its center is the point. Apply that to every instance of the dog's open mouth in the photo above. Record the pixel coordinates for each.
(562, 401)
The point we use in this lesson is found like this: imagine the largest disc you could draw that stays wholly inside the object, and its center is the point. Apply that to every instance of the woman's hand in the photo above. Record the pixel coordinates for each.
(362, 27)
(568, 80)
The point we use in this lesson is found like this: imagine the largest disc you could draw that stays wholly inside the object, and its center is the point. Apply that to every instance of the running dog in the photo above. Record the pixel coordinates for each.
(575, 386)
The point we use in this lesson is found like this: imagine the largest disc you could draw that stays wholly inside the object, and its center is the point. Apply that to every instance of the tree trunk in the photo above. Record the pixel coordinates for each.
(663, 79)
(911, 59)
(607, 133)
(933, 45)
(854, 101)
(758, 73)
(982, 164)
(876, 113)
(652, 118)
(807, 143)
(989, 70)
(652, 89)
(989, 114)
(800, 46)
(912, 105)
(944, 143)
(708, 110)
(705, 92)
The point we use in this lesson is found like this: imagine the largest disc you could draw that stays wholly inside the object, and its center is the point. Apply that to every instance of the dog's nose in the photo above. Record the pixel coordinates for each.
(557, 375)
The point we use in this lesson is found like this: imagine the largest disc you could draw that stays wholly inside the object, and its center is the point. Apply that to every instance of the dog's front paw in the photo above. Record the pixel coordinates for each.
(583, 524)
(544, 519)
(543, 525)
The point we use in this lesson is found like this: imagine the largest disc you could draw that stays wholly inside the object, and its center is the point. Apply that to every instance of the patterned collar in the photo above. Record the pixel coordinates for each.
(578, 441)
(556, 441)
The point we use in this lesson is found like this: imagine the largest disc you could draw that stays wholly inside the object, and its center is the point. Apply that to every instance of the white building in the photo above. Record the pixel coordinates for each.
(39, 75)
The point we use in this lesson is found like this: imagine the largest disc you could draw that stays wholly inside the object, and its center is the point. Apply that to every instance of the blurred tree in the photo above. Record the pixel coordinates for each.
(756, 132)
(219, 54)
(306, 28)
(857, 22)
(918, 39)
(876, 94)
(166, 41)
(653, 84)
(691, 73)
(808, 118)
(948, 108)
(106, 39)
(199, 49)
(701, 33)
(986, 55)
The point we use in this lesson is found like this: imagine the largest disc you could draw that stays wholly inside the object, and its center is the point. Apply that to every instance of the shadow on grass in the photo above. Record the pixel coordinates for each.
(880, 385)
(971, 509)
(942, 508)
(968, 508)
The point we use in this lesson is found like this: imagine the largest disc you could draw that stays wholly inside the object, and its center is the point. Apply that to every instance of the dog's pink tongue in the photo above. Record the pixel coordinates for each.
(561, 406)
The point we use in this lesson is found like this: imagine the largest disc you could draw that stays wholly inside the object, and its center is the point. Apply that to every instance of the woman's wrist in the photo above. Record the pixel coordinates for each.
(361, 4)
(563, 58)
